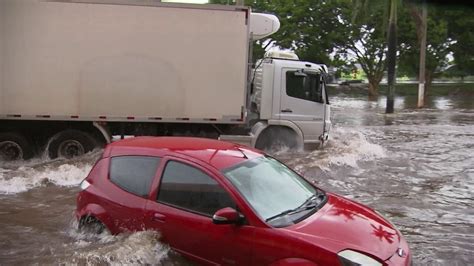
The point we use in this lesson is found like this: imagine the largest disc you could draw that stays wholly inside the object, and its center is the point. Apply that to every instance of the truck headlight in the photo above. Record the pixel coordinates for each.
(353, 258)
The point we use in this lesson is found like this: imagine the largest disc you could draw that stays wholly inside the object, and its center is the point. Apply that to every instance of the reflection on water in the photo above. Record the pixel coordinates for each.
(418, 170)
(414, 166)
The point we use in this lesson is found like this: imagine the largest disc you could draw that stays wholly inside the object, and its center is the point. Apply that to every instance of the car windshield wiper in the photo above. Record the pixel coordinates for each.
(306, 205)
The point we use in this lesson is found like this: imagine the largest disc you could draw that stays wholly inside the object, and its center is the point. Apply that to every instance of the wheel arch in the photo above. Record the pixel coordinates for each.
(99, 213)
(261, 126)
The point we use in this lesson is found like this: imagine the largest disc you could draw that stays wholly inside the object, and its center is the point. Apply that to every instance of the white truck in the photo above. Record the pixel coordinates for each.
(74, 73)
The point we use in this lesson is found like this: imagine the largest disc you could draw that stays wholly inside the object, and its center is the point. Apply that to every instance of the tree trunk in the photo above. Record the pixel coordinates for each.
(428, 81)
(392, 56)
(373, 90)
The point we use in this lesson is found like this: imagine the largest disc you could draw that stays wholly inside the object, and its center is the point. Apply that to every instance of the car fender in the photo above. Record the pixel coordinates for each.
(99, 213)
(293, 262)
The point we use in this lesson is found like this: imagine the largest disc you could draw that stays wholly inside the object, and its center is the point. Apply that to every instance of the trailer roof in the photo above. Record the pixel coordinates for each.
(157, 3)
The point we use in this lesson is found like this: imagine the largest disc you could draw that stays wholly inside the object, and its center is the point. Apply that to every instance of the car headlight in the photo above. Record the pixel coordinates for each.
(85, 184)
(353, 258)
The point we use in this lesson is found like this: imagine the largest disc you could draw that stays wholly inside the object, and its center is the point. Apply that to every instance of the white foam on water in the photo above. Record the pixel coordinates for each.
(346, 147)
(139, 248)
(26, 178)
(349, 146)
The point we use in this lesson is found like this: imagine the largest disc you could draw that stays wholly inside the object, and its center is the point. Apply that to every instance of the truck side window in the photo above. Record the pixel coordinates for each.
(133, 173)
(304, 87)
(186, 187)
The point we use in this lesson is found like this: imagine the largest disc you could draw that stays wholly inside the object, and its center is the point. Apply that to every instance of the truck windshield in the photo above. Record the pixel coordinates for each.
(276, 193)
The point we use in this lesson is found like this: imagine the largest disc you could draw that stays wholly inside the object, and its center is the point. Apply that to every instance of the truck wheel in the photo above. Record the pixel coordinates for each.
(14, 146)
(70, 143)
(276, 138)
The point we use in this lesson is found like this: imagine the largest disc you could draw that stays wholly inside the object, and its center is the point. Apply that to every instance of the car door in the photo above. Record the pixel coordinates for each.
(125, 198)
(302, 101)
(186, 198)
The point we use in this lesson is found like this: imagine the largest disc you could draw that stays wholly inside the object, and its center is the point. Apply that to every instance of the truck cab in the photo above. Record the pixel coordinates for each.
(290, 98)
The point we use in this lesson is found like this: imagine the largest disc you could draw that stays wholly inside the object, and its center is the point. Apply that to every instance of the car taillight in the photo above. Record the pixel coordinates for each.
(85, 184)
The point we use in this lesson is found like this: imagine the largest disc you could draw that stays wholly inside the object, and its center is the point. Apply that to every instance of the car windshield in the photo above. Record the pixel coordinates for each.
(276, 193)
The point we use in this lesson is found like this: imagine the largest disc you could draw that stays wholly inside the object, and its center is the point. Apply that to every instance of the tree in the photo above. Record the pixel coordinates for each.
(439, 44)
(308, 27)
(366, 42)
(460, 25)
(392, 55)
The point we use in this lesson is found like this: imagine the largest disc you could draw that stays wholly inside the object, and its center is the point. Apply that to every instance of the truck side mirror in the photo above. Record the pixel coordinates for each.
(300, 73)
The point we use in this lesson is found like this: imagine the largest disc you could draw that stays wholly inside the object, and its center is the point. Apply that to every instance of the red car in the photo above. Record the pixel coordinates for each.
(222, 203)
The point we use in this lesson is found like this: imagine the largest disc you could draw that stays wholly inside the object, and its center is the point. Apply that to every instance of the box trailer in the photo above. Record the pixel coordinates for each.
(75, 73)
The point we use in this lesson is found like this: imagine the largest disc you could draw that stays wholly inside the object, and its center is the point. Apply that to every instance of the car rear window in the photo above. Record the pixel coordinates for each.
(134, 173)
(189, 188)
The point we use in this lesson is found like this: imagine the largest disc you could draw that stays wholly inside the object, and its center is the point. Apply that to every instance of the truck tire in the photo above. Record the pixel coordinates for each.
(275, 138)
(70, 143)
(14, 146)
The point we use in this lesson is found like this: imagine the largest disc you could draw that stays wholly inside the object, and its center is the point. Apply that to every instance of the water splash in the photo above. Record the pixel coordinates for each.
(346, 147)
(20, 177)
(130, 248)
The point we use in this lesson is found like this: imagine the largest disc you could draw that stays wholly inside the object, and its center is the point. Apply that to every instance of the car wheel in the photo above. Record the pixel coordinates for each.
(70, 143)
(89, 224)
(14, 146)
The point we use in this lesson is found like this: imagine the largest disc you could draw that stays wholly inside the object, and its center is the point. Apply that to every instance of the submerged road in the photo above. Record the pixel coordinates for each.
(416, 167)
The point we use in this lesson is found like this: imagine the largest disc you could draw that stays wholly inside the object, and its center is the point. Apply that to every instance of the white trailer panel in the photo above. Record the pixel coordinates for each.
(91, 60)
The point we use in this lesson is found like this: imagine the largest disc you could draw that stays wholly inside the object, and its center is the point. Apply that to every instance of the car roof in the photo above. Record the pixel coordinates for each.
(219, 154)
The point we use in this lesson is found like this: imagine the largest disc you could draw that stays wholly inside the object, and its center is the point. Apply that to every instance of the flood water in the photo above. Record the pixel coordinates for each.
(416, 167)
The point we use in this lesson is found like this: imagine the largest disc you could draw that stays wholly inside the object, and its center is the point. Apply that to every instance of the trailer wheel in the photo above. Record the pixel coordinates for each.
(14, 146)
(70, 143)
(275, 138)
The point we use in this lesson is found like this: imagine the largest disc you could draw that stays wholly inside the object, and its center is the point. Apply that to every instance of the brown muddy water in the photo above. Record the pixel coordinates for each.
(416, 167)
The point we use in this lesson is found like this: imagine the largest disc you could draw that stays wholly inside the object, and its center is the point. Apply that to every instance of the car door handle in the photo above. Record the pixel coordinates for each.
(158, 217)
(287, 110)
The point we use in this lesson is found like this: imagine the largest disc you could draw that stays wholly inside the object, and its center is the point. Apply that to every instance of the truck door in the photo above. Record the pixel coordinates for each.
(302, 100)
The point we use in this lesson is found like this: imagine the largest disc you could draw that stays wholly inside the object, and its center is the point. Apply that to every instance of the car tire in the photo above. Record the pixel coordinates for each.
(14, 146)
(70, 143)
(90, 224)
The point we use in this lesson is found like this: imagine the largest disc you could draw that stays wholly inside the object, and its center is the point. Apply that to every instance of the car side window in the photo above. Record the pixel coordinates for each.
(134, 173)
(186, 187)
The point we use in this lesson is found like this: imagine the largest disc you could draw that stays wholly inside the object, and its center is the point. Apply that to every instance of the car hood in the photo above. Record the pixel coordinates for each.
(344, 224)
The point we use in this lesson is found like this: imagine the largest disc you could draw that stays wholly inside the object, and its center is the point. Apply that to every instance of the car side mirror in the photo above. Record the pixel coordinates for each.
(226, 216)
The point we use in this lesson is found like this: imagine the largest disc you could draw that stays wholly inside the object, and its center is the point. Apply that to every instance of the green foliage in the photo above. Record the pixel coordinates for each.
(438, 42)
(461, 29)
(309, 27)
(366, 41)
(348, 32)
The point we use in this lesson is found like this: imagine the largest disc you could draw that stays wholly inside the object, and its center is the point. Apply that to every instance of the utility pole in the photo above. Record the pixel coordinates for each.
(392, 56)
(421, 84)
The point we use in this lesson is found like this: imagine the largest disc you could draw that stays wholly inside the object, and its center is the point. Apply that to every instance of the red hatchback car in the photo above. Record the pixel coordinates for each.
(222, 203)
